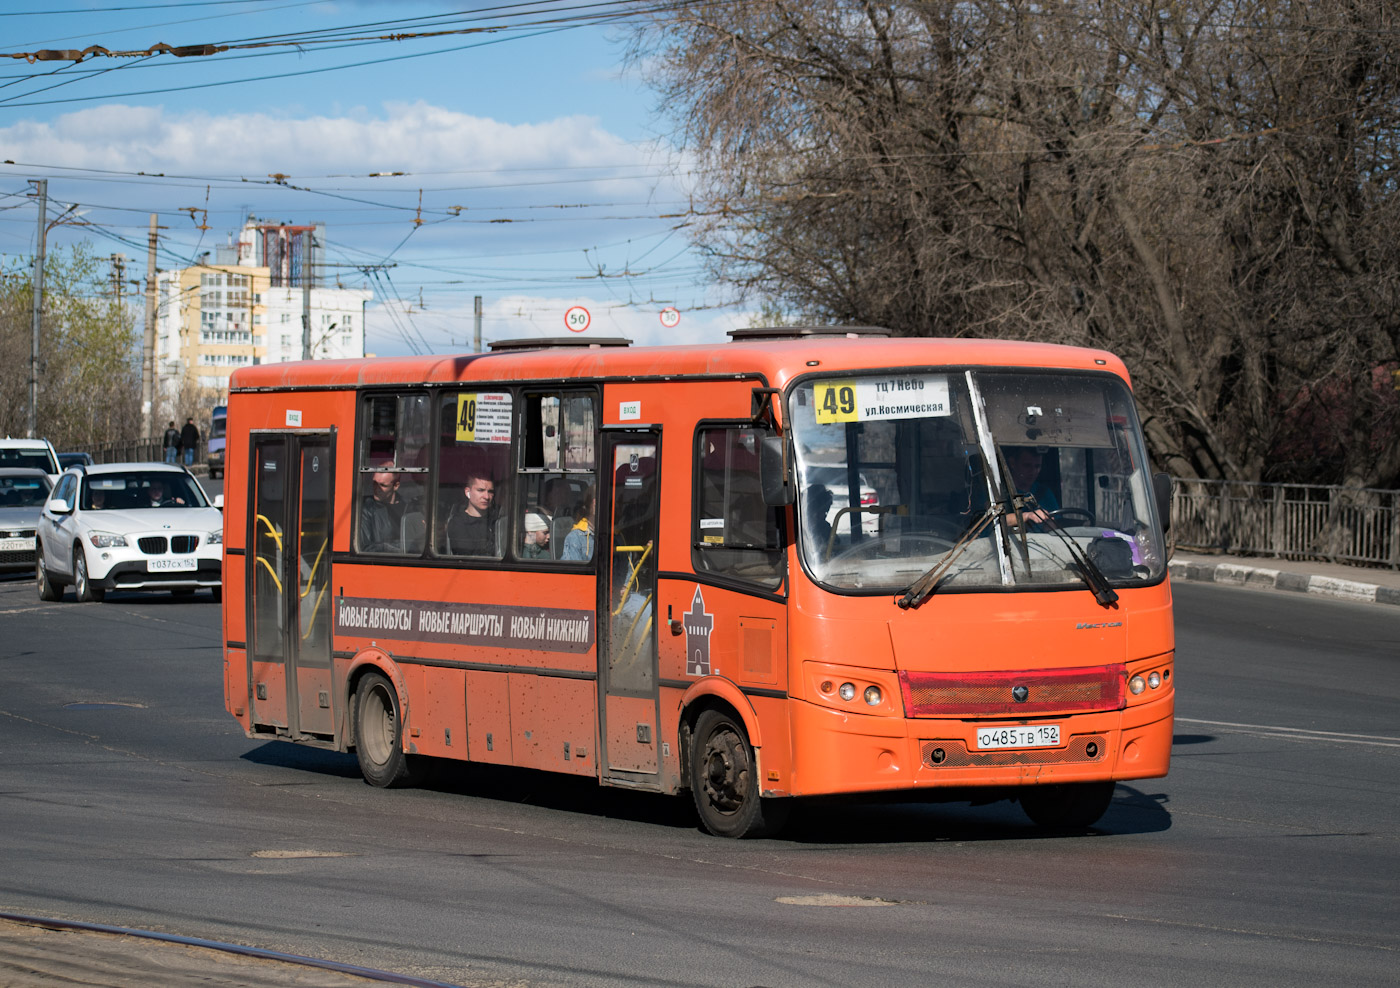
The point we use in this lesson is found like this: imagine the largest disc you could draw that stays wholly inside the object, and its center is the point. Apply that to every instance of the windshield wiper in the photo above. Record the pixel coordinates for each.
(921, 588)
(1088, 570)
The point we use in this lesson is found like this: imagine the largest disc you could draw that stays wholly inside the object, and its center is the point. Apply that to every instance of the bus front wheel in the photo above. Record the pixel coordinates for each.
(378, 733)
(724, 780)
(1068, 806)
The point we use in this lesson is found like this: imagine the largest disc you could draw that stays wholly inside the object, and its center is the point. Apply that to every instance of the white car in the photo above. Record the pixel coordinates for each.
(23, 492)
(36, 453)
(129, 526)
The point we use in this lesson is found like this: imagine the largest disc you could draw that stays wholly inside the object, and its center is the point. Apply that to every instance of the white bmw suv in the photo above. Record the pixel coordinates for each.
(129, 526)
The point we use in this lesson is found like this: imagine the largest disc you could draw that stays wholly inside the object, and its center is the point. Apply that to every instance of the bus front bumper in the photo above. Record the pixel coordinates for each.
(837, 752)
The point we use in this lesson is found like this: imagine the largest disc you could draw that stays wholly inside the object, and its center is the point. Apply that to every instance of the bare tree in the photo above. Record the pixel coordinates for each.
(89, 354)
(1206, 188)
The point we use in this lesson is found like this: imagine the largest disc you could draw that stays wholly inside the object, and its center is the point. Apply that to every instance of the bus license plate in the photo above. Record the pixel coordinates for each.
(1038, 736)
(175, 563)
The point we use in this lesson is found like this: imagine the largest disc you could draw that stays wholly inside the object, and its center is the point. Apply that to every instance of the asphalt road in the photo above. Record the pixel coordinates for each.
(1269, 856)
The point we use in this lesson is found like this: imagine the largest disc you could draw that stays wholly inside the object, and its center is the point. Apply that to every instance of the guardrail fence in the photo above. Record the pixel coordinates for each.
(134, 451)
(1289, 521)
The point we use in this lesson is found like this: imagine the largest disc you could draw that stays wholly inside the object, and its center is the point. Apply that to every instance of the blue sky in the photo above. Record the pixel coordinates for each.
(538, 169)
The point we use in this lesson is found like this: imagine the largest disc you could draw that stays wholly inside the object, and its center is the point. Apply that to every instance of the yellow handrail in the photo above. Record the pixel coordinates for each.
(272, 572)
(271, 530)
(636, 568)
(315, 563)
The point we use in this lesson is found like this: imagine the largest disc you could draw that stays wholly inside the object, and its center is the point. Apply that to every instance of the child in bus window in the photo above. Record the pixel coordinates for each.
(578, 544)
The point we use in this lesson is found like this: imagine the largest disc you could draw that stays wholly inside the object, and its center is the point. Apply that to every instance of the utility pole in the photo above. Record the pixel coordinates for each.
(43, 192)
(476, 346)
(118, 277)
(306, 294)
(148, 352)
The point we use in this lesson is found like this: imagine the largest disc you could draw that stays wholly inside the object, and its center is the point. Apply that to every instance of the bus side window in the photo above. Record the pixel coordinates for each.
(473, 496)
(557, 466)
(735, 533)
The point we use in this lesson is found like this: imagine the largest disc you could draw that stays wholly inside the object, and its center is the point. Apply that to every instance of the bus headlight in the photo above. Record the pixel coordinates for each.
(848, 691)
(1154, 680)
(872, 696)
(1136, 685)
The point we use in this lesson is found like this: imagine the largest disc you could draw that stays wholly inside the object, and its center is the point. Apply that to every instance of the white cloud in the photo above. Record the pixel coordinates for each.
(417, 137)
(527, 317)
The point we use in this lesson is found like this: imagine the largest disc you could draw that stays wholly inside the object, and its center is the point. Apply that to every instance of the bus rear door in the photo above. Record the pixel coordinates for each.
(289, 584)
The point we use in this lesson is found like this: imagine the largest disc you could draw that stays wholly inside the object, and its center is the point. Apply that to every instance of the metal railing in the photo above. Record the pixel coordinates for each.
(1288, 521)
(135, 451)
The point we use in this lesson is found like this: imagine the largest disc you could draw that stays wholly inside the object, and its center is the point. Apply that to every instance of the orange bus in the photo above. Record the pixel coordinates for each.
(810, 561)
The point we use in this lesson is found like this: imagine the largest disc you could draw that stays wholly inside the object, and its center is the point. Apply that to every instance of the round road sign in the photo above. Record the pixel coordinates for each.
(670, 317)
(576, 317)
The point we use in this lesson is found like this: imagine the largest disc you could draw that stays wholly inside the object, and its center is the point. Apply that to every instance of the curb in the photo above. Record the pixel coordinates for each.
(1261, 578)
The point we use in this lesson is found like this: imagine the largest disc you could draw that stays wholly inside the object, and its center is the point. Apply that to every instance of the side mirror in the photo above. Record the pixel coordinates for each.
(1162, 490)
(773, 475)
(219, 501)
(58, 506)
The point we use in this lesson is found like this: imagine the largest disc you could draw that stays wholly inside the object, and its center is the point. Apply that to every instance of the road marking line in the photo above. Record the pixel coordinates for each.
(1299, 733)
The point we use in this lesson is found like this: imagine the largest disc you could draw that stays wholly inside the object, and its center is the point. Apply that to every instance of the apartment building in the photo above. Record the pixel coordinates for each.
(244, 304)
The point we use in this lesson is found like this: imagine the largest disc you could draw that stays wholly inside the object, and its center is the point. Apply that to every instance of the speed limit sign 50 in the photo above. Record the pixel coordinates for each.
(576, 317)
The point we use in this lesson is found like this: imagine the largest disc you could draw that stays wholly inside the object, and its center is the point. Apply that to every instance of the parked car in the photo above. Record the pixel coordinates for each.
(38, 453)
(23, 491)
(129, 526)
(66, 460)
(834, 479)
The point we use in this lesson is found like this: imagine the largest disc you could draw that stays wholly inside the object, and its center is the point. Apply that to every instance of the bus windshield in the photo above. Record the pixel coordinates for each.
(999, 478)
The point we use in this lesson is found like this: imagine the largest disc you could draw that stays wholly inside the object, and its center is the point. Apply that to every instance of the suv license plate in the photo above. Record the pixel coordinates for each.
(176, 563)
(1038, 736)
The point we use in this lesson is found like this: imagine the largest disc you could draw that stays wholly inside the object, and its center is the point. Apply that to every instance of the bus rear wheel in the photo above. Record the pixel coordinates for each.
(378, 733)
(724, 781)
(1068, 806)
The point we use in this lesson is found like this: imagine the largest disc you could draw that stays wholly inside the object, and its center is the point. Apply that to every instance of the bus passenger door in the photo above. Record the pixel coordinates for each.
(627, 673)
(289, 584)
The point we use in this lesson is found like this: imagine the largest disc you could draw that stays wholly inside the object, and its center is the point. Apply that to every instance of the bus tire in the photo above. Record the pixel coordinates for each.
(724, 780)
(1068, 806)
(378, 733)
(83, 589)
(48, 589)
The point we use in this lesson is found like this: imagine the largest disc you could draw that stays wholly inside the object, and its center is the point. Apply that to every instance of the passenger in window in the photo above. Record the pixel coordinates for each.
(381, 514)
(471, 530)
(578, 544)
(536, 535)
(1025, 463)
(818, 524)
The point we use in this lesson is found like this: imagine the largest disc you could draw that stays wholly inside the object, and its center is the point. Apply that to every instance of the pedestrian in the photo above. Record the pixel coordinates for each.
(189, 439)
(171, 442)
